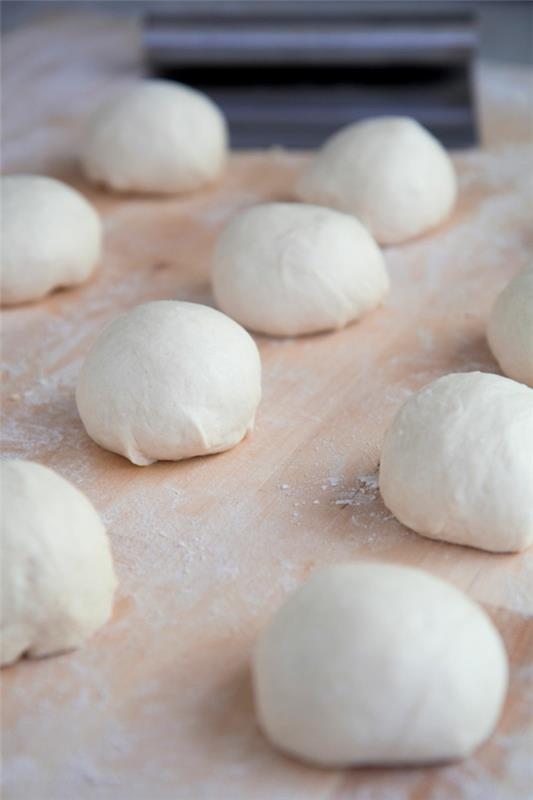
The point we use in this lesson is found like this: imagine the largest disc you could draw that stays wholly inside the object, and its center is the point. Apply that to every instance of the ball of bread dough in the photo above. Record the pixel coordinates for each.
(456, 462)
(288, 269)
(57, 572)
(378, 664)
(50, 237)
(170, 380)
(390, 172)
(510, 328)
(157, 137)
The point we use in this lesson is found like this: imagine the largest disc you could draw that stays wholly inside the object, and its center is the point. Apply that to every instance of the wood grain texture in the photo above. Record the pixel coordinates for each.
(158, 704)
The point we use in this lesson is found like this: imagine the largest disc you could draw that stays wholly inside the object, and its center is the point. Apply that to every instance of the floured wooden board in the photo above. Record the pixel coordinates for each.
(158, 704)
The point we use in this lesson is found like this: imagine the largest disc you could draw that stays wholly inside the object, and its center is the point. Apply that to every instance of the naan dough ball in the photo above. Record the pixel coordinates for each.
(57, 572)
(510, 328)
(457, 464)
(170, 380)
(50, 237)
(389, 172)
(378, 664)
(157, 137)
(288, 269)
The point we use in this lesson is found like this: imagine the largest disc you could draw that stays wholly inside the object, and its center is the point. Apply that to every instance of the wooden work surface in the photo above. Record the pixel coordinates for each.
(158, 704)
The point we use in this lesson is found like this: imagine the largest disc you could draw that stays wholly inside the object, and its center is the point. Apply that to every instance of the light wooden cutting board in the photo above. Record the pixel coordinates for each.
(158, 704)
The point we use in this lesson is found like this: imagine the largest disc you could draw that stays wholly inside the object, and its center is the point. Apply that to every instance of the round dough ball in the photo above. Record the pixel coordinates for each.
(510, 328)
(378, 664)
(157, 137)
(50, 237)
(170, 380)
(288, 269)
(456, 462)
(57, 572)
(390, 172)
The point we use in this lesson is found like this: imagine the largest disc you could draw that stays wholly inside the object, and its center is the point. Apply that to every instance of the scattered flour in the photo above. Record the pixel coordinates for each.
(206, 551)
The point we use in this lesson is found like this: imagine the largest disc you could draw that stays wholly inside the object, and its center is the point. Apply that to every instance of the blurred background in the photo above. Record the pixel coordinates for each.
(505, 26)
(290, 72)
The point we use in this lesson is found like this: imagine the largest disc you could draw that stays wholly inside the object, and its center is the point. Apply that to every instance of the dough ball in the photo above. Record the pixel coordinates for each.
(510, 328)
(456, 462)
(288, 269)
(170, 380)
(157, 137)
(50, 237)
(57, 572)
(378, 664)
(390, 172)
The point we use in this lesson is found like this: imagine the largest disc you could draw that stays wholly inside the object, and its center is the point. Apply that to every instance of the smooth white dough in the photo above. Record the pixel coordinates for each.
(158, 136)
(170, 380)
(510, 328)
(287, 269)
(456, 462)
(58, 579)
(378, 664)
(389, 172)
(50, 237)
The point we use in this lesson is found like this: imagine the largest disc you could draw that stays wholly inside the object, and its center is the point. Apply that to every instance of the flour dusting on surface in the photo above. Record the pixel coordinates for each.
(206, 550)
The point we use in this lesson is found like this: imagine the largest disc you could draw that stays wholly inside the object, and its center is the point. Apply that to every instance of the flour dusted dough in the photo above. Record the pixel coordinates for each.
(378, 664)
(50, 237)
(157, 137)
(57, 573)
(389, 172)
(170, 380)
(457, 464)
(288, 269)
(510, 328)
